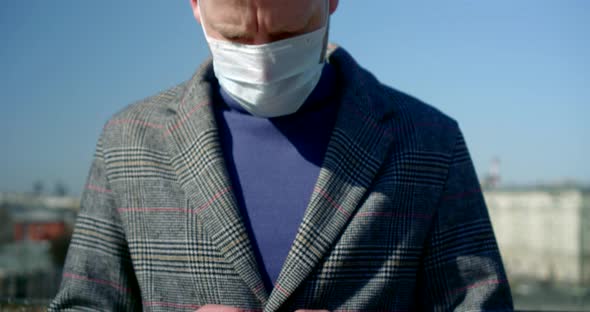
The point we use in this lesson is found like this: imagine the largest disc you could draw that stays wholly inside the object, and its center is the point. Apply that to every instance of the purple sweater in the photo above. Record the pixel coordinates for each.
(273, 164)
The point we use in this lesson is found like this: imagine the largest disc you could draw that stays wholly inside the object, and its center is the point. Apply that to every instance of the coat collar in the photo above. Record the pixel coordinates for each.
(358, 145)
(197, 157)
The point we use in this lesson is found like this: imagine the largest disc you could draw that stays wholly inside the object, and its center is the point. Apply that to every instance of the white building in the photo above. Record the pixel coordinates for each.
(543, 233)
(28, 200)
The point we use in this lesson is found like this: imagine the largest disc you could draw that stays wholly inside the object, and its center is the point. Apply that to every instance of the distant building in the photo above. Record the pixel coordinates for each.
(543, 232)
(27, 271)
(29, 265)
(30, 200)
(492, 179)
(40, 224)
(38, 218)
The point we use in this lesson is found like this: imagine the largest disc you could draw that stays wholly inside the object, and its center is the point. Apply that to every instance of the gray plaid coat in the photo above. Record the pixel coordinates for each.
(396, 222)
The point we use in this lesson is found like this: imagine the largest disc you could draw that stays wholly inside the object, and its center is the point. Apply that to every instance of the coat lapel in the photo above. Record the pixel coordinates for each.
(358, 146)
(197, 157)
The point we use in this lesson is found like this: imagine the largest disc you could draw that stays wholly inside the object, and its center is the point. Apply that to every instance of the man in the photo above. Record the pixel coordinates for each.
(282, 176)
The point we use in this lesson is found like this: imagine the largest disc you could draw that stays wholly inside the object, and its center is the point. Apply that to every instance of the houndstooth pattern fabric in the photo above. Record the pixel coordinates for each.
(396, 222)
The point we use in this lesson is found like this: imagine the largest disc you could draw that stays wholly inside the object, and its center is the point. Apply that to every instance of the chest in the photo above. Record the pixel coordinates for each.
(378, 252)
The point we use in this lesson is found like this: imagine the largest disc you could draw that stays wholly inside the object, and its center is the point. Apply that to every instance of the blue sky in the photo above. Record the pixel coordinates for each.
(515, 74)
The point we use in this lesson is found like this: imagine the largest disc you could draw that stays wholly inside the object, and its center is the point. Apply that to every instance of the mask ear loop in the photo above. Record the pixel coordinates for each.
(202, 20)
(323, 58)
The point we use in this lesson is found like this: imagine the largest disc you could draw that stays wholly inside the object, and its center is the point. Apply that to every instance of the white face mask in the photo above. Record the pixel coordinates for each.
(272, 79)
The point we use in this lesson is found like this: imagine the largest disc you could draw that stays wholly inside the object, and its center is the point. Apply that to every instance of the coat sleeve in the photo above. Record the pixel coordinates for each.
(462, 268)
(98, 274)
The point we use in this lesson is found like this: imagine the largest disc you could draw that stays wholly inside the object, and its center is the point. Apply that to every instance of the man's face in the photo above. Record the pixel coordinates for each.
(261, 21)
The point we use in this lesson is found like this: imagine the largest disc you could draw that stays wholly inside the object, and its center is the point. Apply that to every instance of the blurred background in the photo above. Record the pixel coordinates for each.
(514, 73)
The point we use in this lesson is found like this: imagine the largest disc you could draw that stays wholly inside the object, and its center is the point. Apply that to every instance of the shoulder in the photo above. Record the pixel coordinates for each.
(419, 125)
(143, 122)
(426, 124)
(410, 117)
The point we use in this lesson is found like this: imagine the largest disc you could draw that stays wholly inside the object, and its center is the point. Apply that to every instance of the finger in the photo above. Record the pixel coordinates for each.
(217, 308)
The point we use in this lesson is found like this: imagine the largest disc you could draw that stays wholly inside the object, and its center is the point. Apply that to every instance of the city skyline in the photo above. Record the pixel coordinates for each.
(514, 75)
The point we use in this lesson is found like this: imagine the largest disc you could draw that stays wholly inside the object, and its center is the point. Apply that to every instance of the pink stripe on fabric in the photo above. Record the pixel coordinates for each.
(370, 311)
(436, 124)
(479, 284)
(428, 125)
(98, 189)
(371, 122)
(393, 215)
(175, 209)
(134, 121)
(97, 281)
(154, 209)
(184, 118)
(170, 305)
(214, 198)
(282, 290)
(259, 287)
(331, 201)
(463, 194)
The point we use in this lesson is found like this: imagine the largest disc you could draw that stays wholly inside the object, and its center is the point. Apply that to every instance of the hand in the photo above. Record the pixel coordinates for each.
(223, 308)
(217, 308)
